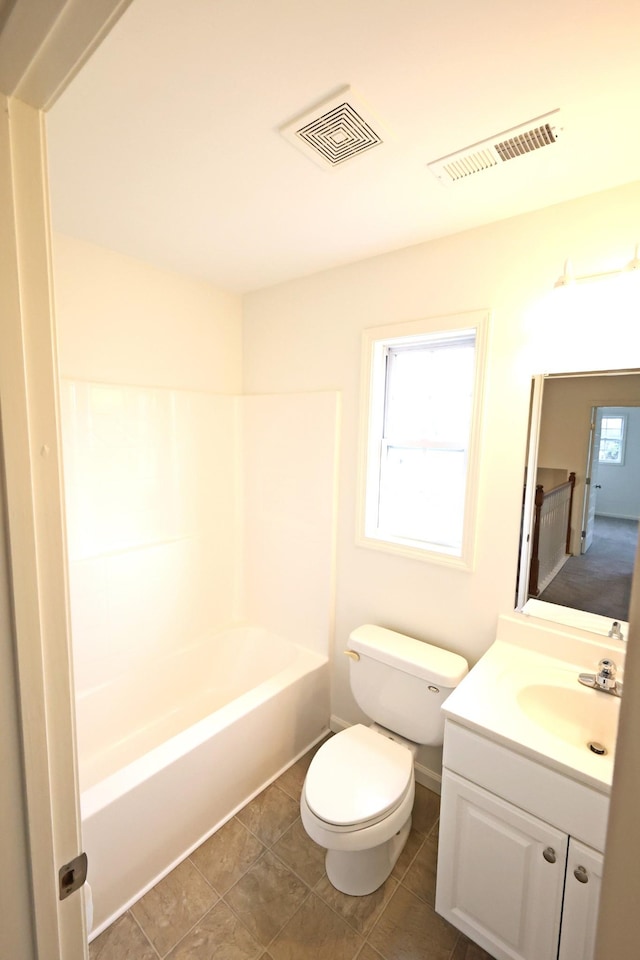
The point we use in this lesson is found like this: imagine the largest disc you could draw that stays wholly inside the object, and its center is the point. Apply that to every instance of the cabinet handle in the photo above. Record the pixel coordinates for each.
(580, 873)
(549, 854)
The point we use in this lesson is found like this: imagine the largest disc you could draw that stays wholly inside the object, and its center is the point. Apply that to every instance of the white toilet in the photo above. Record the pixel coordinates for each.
(358, 793)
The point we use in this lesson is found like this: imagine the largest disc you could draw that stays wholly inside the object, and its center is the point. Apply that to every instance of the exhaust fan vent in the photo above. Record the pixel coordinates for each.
(334, 131)
(516, 142)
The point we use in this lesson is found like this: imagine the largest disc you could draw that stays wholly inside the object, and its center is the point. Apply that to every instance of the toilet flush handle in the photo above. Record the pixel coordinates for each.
(352, 654)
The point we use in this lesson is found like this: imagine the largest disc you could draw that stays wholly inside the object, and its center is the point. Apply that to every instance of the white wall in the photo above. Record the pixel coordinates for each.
(120, 320)
(619, 495)
(306, 335)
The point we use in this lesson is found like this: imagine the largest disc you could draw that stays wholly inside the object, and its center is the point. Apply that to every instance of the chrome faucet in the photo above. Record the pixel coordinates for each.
(604, 679)
(615, 631)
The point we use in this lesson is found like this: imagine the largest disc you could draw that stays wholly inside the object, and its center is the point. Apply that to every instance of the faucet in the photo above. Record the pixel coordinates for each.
(615, 631)
(604, 679)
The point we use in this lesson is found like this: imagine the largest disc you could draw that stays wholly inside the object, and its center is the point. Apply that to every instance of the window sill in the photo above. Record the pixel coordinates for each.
(444, 556)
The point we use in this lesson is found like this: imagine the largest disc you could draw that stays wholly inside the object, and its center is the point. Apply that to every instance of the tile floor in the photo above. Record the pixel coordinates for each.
(257, 890)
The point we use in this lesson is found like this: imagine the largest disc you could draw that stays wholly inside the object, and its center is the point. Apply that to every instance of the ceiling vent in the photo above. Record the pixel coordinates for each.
(334, 131)
(516, 142)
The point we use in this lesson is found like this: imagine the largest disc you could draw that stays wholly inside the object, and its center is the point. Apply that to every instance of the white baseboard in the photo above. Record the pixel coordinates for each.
(617, 516)
(430, 779)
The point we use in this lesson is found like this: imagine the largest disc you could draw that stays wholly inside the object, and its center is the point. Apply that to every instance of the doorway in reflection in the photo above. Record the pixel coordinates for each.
(583, 485)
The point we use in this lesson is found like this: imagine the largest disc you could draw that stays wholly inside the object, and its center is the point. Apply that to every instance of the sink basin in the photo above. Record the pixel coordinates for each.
(577, 715)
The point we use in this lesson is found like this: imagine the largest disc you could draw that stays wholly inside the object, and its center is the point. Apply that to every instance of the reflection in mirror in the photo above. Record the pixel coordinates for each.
(581, 502)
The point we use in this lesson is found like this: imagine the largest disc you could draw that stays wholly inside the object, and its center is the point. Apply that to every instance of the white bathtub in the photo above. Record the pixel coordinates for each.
(236, 710)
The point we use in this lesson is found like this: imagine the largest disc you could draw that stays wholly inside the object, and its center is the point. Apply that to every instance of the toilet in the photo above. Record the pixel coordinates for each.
(358, 794)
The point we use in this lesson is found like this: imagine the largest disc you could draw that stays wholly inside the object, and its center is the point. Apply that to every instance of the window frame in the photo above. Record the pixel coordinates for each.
(375, 343)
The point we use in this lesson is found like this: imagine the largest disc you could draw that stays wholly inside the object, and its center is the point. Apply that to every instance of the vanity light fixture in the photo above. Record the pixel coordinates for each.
(635, 263)
(566, 323)
(567, 277)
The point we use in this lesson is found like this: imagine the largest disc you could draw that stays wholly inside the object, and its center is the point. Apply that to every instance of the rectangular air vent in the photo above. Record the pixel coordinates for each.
(516, 142)
(334, 131)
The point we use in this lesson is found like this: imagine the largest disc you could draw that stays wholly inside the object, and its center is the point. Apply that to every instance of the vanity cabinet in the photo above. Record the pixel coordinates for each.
(500, 873)
(511, 874)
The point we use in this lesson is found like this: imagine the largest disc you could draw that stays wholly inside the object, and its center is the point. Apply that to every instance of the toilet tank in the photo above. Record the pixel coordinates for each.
(401, 682)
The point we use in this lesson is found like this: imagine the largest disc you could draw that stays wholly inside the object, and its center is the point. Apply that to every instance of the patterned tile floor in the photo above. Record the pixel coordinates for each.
(257, 890)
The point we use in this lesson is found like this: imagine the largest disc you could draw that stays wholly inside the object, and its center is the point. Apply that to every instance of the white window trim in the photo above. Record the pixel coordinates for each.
(374, 342)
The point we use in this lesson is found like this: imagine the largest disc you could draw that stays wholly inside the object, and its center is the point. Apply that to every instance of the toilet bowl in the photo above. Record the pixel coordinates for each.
(358, 793)
(356, 802)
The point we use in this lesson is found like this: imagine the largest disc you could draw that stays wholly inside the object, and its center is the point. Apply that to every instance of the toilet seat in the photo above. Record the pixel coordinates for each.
(358, 778)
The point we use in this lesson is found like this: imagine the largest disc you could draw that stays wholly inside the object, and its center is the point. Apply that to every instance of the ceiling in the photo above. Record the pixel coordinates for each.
(166, 146)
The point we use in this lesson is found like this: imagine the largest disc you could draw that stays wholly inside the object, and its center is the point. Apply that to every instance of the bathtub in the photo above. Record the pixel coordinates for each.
(238, 709)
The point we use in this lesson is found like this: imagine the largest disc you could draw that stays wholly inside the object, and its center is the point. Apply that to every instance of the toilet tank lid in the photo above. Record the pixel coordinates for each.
(423, 660)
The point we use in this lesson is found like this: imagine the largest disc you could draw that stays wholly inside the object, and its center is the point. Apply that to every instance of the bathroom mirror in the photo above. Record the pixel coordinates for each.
(581, 495)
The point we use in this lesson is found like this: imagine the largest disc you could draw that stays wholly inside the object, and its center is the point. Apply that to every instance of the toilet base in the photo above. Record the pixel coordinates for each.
(359, 872)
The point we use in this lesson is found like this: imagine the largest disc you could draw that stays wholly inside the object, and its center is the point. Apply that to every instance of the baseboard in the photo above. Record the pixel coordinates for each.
(616, 516)
(428, 778)
(424, 776)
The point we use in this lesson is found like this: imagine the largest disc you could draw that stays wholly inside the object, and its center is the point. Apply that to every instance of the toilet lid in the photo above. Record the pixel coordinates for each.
(357, 775)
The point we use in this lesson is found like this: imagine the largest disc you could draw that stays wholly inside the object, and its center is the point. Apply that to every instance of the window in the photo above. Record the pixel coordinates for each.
(421, 424)
(612, 432)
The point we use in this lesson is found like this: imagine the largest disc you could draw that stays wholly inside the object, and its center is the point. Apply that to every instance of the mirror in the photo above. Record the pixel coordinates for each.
(581, 501)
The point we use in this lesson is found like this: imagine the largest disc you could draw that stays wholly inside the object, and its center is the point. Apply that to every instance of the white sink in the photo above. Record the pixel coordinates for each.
(529, 699)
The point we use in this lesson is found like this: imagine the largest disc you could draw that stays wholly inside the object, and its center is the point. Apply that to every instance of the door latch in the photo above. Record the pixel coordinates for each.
(72, 875)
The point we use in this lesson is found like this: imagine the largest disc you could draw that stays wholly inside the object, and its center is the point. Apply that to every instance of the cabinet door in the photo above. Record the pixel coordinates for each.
(581, 898)
(500, 873)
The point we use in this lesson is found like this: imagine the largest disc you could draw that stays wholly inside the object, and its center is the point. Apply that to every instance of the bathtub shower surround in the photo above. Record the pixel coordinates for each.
(289, 511)
(151, 500)
(183, 524)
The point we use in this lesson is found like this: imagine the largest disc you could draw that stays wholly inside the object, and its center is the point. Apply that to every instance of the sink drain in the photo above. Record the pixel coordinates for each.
(596, 747)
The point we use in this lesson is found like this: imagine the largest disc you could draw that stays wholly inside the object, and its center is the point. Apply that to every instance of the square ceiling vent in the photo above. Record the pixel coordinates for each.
(516, 142)
(334, 131)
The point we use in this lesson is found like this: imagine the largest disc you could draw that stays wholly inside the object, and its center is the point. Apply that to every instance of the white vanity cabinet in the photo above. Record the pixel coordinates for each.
(512, 875)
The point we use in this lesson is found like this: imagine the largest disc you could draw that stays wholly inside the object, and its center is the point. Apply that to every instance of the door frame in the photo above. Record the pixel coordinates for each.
(590, 496)
(526, 529)
(42, 46)
(591, 460)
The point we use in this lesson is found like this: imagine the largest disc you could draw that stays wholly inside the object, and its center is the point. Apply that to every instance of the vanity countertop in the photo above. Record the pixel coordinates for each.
(524, 694)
